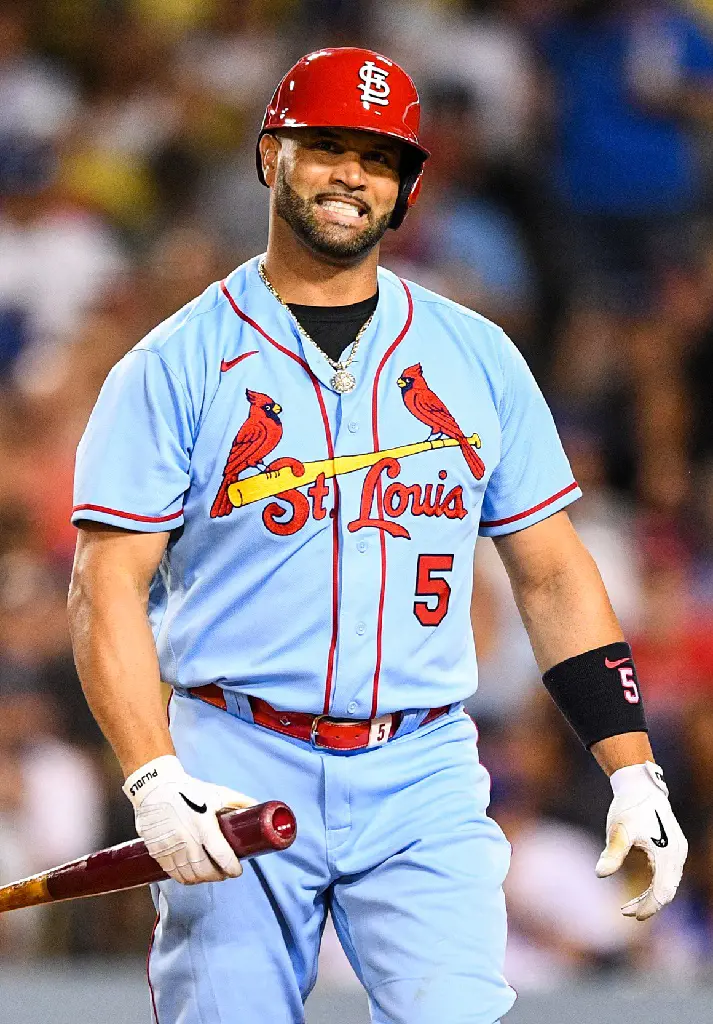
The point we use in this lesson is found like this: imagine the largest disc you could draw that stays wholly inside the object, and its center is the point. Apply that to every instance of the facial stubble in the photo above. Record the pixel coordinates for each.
(322, 238)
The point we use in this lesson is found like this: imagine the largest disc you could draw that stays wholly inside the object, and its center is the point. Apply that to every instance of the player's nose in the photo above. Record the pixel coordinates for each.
(349, 171)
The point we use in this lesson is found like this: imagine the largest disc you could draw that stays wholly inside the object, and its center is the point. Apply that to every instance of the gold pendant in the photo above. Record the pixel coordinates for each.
(343, 381)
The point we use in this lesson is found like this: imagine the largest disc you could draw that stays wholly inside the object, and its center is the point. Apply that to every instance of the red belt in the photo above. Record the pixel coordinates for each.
(319, 730)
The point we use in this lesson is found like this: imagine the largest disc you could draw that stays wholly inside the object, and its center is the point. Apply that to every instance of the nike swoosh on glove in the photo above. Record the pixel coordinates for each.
(640, 815)
(175, 815)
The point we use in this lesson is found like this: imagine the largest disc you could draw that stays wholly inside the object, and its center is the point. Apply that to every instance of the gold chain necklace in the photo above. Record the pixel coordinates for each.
(343, 380)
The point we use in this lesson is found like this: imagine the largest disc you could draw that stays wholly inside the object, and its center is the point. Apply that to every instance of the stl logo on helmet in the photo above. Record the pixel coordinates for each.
(374, 87)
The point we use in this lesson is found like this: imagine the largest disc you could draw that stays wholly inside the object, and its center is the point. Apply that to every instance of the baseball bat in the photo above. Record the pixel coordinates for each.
(252, 832)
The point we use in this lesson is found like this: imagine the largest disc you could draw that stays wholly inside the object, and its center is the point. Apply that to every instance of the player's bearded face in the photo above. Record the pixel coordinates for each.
(336, 198)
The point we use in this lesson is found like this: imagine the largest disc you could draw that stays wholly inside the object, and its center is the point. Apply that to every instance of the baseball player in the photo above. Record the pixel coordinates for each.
(278, 497)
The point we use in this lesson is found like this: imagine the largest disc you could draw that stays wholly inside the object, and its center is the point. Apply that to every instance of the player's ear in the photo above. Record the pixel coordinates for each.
(269, 149)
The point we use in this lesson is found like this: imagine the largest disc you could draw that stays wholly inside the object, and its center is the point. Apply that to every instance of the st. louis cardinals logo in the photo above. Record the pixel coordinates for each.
(384, 498)
(373, 85)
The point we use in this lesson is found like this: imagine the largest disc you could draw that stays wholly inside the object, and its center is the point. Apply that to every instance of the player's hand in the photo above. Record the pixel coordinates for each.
(175, 815)
(640, 815)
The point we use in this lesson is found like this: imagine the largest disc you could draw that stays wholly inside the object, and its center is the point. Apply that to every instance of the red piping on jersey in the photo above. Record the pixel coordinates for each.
(228, 364)
(148, 971)
(330, 452)
(127, 515)
(531, 511)
(380, 498)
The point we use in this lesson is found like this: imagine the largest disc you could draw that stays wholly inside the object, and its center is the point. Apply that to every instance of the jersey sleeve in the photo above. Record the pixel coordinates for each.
(132, 467)
(533, 479)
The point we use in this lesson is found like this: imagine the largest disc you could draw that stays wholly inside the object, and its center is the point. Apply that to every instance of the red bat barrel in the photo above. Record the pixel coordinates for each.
(252, 832)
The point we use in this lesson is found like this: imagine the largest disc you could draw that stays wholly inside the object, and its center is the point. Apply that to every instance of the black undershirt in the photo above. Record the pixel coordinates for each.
(334, 328)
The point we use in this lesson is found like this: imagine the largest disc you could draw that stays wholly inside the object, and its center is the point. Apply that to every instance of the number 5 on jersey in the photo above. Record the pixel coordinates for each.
(430, 587)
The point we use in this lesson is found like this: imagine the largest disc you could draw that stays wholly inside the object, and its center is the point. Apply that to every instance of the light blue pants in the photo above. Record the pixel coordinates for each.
(394, 842)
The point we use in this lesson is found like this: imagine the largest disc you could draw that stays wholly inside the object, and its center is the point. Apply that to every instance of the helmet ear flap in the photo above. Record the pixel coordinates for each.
(415, 189)
(408, 194)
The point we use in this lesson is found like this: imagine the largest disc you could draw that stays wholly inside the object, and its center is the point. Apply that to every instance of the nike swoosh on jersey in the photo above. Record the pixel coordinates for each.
(615, 664)
(202, 808)
(662, 841)
(228, 364)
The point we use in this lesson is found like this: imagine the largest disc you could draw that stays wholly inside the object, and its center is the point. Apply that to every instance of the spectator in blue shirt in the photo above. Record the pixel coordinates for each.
(631, 81)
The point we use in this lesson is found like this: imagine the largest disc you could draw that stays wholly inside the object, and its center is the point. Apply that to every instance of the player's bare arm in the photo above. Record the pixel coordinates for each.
(114, 648)
(578, 643)
(117, 662)
(558, 590)
(566, 611)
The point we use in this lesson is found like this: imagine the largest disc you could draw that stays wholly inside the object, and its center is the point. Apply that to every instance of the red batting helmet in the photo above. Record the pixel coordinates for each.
(347, 87)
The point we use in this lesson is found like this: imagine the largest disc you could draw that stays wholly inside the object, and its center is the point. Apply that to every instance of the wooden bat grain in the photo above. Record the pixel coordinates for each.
(251, 833)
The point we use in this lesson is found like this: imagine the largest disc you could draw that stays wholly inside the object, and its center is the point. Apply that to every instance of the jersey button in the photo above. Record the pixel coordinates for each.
(353, 426)
(352, 706)
(362, 546)
(361, 628)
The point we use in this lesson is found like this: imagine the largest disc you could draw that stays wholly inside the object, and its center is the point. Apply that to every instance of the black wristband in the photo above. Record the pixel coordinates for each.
(598, 693)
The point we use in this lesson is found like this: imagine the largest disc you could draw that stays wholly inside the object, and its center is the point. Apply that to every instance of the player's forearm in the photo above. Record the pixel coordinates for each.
(566, 610)
(116, 659)
(577, 640)
(570, 613)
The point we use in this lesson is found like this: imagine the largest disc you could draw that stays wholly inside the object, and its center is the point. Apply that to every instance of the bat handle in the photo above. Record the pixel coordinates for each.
(251, 832)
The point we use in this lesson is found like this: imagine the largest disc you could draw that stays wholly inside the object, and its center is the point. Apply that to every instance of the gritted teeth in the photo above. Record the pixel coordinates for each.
(344, 206)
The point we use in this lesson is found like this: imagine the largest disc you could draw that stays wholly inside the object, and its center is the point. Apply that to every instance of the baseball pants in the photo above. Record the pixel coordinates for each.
(393, 841)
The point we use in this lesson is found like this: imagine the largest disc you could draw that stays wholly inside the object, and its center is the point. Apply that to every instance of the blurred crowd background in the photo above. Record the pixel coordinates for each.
(569, 197)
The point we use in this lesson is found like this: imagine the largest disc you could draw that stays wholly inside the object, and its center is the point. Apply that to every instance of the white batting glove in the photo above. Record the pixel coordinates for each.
(640, 815)
(175, 815)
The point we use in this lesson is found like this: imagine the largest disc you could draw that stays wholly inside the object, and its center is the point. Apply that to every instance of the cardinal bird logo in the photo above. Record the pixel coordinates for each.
(427, 407)
(259, 435)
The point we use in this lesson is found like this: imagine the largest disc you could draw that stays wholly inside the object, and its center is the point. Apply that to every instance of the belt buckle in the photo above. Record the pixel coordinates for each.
(313, 738)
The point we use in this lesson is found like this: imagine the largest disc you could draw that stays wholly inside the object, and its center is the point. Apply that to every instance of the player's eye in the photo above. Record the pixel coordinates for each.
(326, 145)
(383, 158)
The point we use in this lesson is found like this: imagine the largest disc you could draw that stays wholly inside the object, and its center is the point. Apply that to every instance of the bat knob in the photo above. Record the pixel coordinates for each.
(261, 829)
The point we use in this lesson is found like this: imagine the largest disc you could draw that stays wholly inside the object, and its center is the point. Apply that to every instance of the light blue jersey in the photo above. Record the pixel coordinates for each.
(321, 558)
(321, 553)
